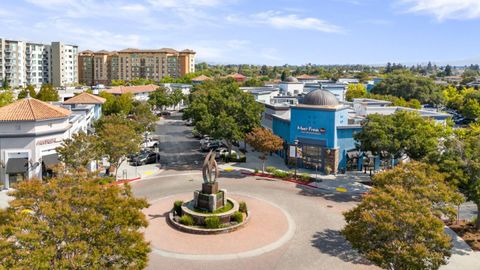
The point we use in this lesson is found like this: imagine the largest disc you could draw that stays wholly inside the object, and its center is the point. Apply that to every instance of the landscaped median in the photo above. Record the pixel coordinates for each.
(272, 172)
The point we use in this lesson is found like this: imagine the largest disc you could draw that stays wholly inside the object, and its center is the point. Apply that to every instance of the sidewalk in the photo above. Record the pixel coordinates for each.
(463, 257)
(127, 171)
(342, 183)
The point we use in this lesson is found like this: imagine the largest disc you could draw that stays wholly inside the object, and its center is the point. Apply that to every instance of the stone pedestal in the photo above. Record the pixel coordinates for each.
(210, 198)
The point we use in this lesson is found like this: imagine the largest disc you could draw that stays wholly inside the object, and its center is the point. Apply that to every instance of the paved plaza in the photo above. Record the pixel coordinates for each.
(308, 238)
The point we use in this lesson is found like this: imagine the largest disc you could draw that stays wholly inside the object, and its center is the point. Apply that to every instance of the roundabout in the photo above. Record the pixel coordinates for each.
(268, 228)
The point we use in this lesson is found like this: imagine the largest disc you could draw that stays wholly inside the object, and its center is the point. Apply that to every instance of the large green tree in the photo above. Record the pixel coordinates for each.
(402, 133)
(397, 225)
(459, 159)
(72, 222)
(48, 93)
(160, 98)
(355, 91)
(116, 141)
(122, 104)
(79, 151)
(409, 86)
(6, 97)
(220, 109)
(143, 117)
(29, 90)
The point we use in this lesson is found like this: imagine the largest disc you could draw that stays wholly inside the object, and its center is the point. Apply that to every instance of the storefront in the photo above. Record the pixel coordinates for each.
(30, 132)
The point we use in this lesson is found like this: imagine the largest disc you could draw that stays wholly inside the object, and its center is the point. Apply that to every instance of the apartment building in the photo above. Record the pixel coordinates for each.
(26, 63)
(102, 67)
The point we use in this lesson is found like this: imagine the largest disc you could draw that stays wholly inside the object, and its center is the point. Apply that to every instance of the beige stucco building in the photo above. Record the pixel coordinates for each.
(102, 67)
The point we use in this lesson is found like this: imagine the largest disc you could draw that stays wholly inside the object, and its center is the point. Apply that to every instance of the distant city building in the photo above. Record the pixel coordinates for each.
(103, 66)
(25, 63)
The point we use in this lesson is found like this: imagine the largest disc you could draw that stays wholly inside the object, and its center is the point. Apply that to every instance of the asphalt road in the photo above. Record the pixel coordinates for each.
(178, 148)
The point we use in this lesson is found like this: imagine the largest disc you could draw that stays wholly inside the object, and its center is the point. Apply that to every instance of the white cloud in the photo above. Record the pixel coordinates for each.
(133, 8)
(445, 9)
(280, 20)
(185, 3)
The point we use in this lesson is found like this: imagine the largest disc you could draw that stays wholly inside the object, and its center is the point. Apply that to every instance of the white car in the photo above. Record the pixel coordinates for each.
(149, 143)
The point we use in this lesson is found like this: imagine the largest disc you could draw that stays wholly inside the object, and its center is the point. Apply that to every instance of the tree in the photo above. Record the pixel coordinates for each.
(160, 98)
(408, 86)
(48, 93)
(397, 225)
(118, 82)
(117, 141)
(78, 151)
(117, 105)
(284, 75)
(253, 82)
(264, 141)
(176, 97)
(5, 84)
(220, 109)
(143, 116)
(72, 222)
(460, 161)
(29, 90)
(355, 91)
(402, 133)
(448, 70)
(6, 97)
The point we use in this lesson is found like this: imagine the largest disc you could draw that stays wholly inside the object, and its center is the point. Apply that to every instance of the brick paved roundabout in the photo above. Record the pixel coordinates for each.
(290, 227)
(269, 228)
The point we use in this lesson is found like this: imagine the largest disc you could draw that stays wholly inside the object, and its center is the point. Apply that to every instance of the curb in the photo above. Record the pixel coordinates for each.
(123, 181)
(282, 179)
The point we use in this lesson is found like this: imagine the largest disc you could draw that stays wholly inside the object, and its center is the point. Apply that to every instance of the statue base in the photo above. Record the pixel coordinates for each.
(209, 201)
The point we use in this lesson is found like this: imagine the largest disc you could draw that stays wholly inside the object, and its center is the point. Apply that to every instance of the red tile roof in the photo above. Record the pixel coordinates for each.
(118, 90)
(201, 78)
(306, 77)
(85, 98)
(30, 109)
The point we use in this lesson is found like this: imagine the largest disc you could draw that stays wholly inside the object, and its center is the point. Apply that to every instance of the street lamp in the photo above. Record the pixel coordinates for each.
(295, 142)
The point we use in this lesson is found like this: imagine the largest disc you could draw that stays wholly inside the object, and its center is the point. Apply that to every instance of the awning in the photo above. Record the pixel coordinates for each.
(17, 165)
(50, 160)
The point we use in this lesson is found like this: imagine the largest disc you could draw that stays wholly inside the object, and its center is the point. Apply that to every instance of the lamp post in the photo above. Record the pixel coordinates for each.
(295, 142)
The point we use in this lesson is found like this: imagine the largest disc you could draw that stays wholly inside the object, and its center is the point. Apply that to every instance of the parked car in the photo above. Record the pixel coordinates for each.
(132, 156)
(166, 113)
(213, 145)
(146, 158)
(149, 143)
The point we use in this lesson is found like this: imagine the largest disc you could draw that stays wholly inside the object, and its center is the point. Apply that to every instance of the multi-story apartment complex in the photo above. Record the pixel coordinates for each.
(25, 63)
(102, 67)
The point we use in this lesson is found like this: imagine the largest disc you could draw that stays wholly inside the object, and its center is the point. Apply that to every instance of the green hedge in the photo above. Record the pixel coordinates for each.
(237, 217)
(243, 207)
(270, 169)
(212, 222)
(186, 220)
(177, 206)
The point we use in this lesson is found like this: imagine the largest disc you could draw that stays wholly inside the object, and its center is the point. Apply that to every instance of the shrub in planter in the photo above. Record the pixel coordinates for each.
(256, 170)
(212, 222)
(280, 174)
(237, 217)
(177, 207)
(305, 177)
(186, 220)
(270, 169)
(243, 207)
(290, 174)
(328, 170)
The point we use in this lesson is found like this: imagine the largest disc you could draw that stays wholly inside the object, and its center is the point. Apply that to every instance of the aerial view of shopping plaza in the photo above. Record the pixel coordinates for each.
(240, 134)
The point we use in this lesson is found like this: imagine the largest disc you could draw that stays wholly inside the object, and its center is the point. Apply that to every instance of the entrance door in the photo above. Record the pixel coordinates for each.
(15, 178)
(312, 157)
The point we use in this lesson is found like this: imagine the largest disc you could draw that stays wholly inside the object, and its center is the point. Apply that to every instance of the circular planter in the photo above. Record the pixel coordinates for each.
(199, 218)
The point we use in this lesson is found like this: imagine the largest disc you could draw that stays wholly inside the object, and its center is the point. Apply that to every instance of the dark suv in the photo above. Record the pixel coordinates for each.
(146, 158)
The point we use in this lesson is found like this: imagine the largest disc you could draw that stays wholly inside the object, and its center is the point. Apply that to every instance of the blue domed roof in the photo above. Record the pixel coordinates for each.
(321, 97)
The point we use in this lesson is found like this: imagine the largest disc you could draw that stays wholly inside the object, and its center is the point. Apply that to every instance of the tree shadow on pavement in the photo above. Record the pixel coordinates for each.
(331, 242)
(328, 195)
(152, 217)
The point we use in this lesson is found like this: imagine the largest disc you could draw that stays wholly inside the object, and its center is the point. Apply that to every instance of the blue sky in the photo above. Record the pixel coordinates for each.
(259, 31)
